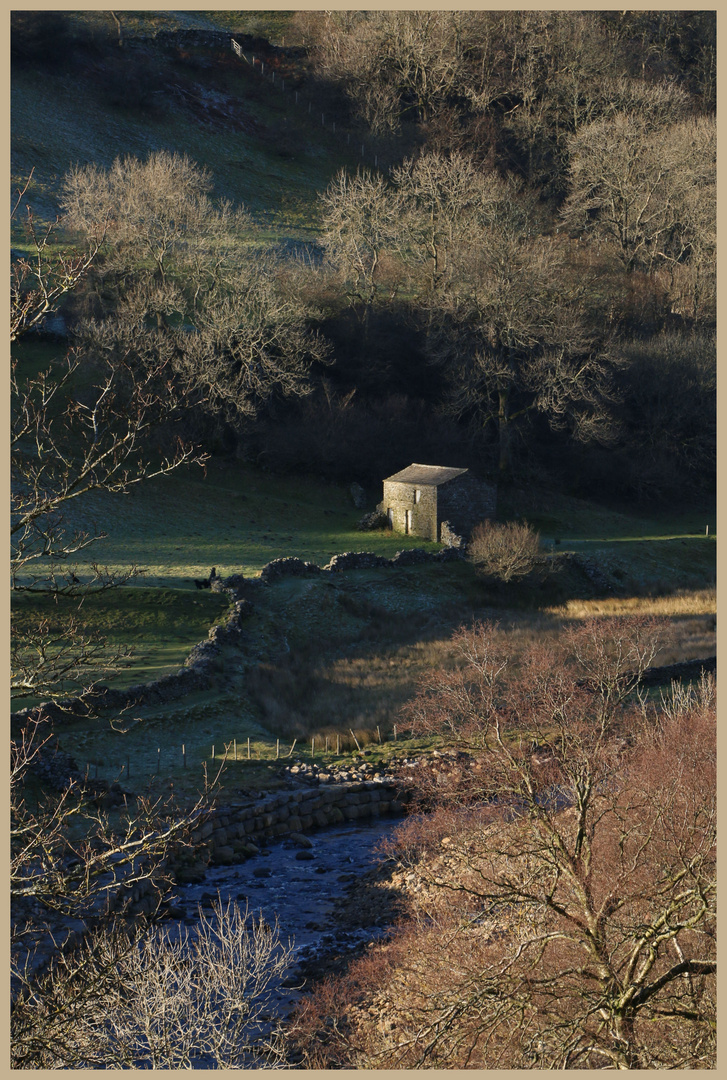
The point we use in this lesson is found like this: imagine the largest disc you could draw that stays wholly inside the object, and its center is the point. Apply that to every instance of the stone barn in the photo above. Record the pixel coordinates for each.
(437, 503)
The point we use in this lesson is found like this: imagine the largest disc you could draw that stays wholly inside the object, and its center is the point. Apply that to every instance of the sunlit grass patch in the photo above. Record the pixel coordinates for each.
(683, 602)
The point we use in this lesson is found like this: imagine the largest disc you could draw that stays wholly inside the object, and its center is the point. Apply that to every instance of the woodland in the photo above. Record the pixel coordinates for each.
(518, 278)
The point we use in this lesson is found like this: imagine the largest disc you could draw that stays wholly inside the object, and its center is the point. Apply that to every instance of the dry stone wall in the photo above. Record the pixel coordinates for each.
(233, 834)
(199, 667)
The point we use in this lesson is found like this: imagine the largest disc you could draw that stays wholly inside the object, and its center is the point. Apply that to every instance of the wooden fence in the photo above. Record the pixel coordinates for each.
(175, 756)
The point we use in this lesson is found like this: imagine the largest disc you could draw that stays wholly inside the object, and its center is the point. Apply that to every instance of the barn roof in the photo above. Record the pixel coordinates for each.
(431, 475)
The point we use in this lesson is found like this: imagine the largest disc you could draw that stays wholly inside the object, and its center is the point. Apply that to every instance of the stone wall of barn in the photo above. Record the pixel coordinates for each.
(400, 498)
(466, 501)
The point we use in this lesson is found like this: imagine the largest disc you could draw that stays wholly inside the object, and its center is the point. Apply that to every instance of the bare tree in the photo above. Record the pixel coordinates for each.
(509, 329)
(70, 437)
(160, 212)
(565, 907)
(363, 236)
(68, 860)
(66, 444)
(444, 200)
(177, 999)
(398, 64)
(647, 190)
(39, 280)
(559, 71)
(223, 318)
(251, 341)
(502, 309)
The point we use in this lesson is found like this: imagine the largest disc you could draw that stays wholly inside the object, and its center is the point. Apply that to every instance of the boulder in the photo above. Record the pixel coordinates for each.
(300, 840)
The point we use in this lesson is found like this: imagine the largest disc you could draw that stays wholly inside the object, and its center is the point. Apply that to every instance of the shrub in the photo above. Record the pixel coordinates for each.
(504, 551)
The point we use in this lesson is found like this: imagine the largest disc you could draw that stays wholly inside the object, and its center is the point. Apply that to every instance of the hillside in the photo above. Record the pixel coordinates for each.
(106, 102)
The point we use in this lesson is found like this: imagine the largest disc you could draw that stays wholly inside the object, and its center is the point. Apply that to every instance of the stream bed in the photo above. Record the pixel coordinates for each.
(298, 887)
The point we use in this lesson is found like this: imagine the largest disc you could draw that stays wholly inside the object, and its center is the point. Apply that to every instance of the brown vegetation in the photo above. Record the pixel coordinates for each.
(504, 551)
(564, 916)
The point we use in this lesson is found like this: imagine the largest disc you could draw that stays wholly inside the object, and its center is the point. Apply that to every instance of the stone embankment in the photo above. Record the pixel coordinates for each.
(234, 833)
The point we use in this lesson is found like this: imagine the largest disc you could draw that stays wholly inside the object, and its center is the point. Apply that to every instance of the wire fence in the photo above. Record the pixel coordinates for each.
(237, 750)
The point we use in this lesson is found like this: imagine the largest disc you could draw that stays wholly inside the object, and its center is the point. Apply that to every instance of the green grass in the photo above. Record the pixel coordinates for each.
(649, 553)
(234, 518)
(276, 167)
(159, 625)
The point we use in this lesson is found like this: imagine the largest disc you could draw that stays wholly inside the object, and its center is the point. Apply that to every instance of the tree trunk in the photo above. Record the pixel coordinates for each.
(505, 447)
(118, 28)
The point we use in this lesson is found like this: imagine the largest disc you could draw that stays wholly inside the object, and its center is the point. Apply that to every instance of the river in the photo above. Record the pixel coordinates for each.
(298, 887)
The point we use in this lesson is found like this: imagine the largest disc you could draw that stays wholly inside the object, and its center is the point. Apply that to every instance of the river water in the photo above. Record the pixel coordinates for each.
(298, 887)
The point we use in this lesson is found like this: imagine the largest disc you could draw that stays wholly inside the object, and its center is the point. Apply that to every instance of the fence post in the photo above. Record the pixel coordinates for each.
(378, 732)
(394, 732)
(248, 748)
(326, 744)
(159, 759)
(312, 745)
(184, 756)
(355, 740)
(338, 744)
(277, 749)
(213, 751)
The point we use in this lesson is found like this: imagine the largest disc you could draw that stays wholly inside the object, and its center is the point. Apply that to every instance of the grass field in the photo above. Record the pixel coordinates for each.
(323, 656)
(268, 154)
(317, 656)
(159, 625)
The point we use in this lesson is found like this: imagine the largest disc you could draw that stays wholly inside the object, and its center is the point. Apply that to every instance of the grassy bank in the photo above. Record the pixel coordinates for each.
(262, 150)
